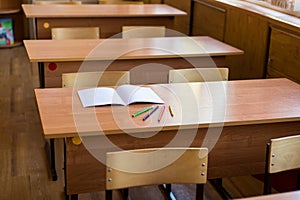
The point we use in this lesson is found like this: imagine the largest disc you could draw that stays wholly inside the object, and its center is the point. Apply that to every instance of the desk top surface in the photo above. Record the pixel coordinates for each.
(135, 48)
(280, 196)
(97, 10)
(195, 105)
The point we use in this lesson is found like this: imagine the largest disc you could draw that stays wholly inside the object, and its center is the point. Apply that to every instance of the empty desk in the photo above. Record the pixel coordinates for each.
(148, 59)
(109, 18)
(235, 123)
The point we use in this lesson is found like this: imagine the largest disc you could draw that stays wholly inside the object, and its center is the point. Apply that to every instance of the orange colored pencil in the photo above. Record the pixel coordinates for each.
(171, 111)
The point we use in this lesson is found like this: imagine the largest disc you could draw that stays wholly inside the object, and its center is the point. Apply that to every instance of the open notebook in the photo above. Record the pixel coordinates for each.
(122, 95)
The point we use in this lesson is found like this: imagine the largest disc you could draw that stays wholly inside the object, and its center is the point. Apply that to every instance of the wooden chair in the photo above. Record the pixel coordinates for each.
(119, 2)
(130, 168)
(198, 75)
(57, 2)
(75, 33)
(94, 79)
(143, 31)
(202, 75)
(282, 155)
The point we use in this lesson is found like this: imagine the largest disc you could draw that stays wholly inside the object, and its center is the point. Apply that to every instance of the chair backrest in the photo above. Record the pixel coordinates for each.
(148, 167)
(284, 154)
(57, 2)
(143, 31)
(119, 2)
(281, 155)
(94, 79)
(198, 75)
(75, 33)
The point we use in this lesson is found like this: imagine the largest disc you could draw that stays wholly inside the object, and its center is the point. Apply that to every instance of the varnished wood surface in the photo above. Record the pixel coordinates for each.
(96, 10)
(247, 102)
(282, 196)
(24, 173)
(165, 47)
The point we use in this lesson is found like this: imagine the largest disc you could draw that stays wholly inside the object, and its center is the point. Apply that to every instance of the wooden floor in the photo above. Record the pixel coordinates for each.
(24, 173)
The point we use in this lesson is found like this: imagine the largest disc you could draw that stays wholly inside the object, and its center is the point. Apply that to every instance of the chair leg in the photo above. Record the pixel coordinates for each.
(217, 184)
(71, 197)
(168, 189)
(199, 191)
(267, 184)
(267, 178)
(108, 194)
(125, 193)
(165, 192)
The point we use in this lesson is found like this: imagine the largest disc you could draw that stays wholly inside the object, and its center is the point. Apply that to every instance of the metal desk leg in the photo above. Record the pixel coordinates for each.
(49, 148)
(41, 74)
(51, 158)
(217, 183)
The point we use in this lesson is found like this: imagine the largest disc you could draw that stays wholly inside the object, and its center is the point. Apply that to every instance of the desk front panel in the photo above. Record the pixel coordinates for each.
(109, 26)
(240, 150)
(142, 70)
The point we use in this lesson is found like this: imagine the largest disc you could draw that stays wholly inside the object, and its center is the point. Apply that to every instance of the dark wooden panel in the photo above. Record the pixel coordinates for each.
(239, 151)
(284, 55)
(249, 33)
(181, 23)
(208, 20)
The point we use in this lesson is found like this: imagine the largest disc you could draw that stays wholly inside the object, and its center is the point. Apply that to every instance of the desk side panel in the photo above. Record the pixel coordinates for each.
(142, 71)
(240, 150)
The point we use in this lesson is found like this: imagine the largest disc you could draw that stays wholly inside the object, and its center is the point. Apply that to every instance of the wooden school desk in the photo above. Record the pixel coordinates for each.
(253, 112)
(109, 18)
(127, 54)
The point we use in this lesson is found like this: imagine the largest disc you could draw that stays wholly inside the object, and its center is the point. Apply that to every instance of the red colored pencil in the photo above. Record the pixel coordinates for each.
(161, 112)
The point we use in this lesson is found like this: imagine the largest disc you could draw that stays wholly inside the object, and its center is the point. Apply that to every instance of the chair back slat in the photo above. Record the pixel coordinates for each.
(143, 31)
(75, 33)
(198, 75)
(94, 79)
(156, 166)
(284, 154)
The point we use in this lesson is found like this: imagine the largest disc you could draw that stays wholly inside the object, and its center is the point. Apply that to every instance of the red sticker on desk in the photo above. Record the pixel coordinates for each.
(52, 66)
